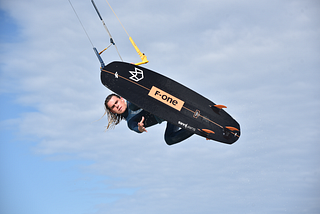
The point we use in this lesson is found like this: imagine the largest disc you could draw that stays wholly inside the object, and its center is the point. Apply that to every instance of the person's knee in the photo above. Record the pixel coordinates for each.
(169, 140)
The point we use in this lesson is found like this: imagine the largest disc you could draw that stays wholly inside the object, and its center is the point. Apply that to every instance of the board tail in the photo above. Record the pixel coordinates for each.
(230, 132)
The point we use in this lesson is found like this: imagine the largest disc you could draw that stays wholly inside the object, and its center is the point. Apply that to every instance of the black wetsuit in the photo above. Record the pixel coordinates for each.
(134, 114)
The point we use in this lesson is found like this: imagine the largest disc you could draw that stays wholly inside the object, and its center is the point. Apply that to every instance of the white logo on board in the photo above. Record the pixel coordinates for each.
(137, 74)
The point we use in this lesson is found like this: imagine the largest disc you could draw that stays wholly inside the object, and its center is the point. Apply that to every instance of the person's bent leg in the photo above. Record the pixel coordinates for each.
(174, 134)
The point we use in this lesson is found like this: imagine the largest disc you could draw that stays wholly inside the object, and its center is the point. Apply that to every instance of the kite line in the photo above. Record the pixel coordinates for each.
(105, 27)
(142, 55)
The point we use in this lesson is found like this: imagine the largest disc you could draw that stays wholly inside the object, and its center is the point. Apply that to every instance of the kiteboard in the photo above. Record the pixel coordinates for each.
(171, 101)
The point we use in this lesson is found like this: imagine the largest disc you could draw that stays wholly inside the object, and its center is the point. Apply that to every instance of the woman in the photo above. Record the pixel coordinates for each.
(138, 119)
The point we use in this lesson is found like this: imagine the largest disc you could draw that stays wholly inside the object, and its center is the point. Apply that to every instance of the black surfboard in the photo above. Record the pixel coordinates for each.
(170, 101)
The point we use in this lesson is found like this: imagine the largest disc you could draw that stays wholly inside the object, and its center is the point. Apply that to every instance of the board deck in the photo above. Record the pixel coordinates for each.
(170, 101)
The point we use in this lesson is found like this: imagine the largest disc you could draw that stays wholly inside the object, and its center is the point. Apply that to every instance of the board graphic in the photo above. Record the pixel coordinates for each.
(170, 101)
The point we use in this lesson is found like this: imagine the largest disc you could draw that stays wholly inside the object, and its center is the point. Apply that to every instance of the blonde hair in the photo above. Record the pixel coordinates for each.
(113, 118)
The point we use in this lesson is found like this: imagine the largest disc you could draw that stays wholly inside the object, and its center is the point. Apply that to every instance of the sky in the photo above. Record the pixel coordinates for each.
(259, 58)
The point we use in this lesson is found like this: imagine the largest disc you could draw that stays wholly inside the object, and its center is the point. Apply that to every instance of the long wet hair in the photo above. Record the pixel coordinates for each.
(113, 118)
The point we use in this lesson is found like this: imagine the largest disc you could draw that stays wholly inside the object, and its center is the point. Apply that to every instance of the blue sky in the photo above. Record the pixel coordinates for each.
(261, 59)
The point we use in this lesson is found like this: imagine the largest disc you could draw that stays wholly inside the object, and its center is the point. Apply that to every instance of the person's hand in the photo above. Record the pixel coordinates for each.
(141, 126)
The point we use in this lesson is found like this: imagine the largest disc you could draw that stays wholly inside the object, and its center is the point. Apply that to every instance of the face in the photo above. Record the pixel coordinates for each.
(117, 105)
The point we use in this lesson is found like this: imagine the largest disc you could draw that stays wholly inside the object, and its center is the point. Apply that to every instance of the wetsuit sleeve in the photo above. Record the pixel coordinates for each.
(133, 125)
(149, 120)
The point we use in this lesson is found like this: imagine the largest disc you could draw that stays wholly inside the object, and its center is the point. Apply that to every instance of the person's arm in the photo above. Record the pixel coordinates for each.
(137, 126)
